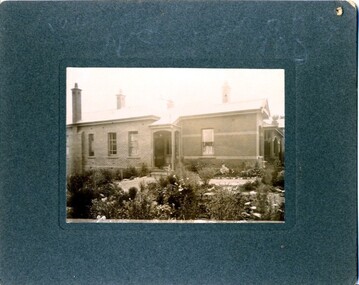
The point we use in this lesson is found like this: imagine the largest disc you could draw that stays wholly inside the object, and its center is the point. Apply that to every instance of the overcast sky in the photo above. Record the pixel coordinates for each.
(144, 86)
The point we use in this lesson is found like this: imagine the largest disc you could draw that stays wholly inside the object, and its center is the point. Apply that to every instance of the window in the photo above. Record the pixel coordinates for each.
(91, 139)
(207, 142)
(133, 143)
(112, 144)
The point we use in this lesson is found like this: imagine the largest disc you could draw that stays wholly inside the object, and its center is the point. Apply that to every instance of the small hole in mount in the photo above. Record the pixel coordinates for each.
(339, 11)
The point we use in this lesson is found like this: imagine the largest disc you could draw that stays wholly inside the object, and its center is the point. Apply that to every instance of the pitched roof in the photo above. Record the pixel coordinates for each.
(190, 110)
(239, 106)
(119, 114)
(170, 116)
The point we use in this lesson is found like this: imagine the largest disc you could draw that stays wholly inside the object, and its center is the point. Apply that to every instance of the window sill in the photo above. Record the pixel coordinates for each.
(209, 156)
(112, 157)
(91, 157)
(133, 157)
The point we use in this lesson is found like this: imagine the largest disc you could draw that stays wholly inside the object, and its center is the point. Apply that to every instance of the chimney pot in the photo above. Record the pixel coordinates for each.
(120, 100)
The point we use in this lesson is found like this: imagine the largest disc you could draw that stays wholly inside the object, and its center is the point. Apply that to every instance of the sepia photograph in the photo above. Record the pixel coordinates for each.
(204, 145)
(179, 142)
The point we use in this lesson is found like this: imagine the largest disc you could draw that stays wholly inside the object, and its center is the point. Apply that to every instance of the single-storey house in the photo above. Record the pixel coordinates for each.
(227, 133)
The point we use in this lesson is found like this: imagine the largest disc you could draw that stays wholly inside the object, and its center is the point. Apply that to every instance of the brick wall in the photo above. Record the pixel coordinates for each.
(236, 137)
(101, 157)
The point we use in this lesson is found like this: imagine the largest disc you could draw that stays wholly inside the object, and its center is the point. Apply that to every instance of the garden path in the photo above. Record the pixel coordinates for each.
(128, 183)
(230, 181)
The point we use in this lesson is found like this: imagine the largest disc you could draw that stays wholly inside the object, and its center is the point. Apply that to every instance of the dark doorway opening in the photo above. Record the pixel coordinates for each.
(162, 148)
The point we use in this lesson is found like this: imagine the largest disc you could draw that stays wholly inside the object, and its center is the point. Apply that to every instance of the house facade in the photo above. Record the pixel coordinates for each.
(228, 133)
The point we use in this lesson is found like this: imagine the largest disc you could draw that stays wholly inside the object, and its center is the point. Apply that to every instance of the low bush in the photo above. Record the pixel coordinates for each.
(132, 192)
(79, 195)
(193, 166)
(263, 206)
(250, 185)
(129, 172)
(80, 202)
(206, 174)
(253, 172)
(267, 176)
(142, 207)
(196, 165)
(144, 171)
(278, 179)
(226, 205)
(186, 178)
(83, 188)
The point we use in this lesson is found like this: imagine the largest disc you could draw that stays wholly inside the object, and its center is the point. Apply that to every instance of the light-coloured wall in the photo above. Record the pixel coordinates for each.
(101, 158)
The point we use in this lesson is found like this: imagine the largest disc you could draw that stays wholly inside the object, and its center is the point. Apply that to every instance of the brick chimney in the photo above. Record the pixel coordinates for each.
(225, 92)
(76, 104)
(120, 100)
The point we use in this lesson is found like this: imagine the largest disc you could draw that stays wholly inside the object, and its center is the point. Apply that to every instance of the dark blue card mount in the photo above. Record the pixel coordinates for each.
(315, 42)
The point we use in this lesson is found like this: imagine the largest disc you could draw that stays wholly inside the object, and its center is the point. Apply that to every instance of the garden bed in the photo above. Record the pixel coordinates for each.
(181, 196)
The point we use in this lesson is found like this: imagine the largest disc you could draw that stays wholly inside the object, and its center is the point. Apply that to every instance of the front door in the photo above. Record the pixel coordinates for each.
(162, 145)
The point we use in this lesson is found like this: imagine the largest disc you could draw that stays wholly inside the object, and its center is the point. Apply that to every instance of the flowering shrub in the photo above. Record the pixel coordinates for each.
(224, 170)
(138, 209)
(163, 212)
(179, 192)
(225, 205)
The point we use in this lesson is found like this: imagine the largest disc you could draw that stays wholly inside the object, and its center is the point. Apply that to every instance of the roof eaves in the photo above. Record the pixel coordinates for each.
(219, 114)
(121, 120)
